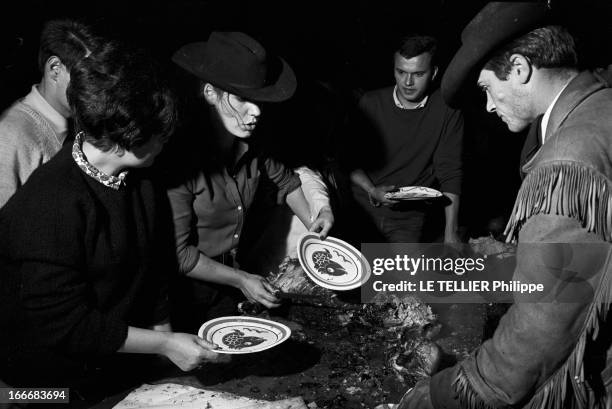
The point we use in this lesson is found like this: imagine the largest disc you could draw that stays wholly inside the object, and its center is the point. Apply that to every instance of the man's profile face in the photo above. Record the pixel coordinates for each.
(62, 86)
(57, 78)
(413, 77)
(507, 99)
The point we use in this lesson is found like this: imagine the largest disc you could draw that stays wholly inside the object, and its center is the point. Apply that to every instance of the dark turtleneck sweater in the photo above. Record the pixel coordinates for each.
(407, 147)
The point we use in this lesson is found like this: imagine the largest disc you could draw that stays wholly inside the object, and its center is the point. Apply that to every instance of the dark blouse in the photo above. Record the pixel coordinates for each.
(210, 208)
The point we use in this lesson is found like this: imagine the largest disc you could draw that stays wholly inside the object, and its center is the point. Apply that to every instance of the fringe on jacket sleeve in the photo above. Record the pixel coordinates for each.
(567, 189)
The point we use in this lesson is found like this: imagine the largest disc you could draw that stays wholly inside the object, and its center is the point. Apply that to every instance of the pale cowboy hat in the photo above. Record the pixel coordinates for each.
(495, 25)
(238, 64)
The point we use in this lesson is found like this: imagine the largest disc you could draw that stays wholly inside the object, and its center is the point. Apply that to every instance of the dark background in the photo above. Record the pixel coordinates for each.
(338, 49)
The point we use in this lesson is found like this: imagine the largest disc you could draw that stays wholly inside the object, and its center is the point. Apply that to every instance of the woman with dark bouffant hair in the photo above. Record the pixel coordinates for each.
(83, 252)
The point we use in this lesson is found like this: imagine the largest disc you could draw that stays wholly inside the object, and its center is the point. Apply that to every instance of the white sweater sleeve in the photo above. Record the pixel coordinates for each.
(314, 190)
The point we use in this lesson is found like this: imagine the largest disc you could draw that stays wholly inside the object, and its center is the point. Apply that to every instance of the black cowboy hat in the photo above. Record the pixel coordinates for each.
(495, 25)
(238, 64)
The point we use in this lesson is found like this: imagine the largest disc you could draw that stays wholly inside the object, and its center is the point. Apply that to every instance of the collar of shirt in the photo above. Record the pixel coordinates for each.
(36, 101)
(546, 116)
(114, 182)
(399, 104)
(232, 164)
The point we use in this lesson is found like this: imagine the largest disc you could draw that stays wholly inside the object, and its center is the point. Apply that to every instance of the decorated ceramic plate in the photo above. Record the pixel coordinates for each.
(413, 193)
(332, 263)
(243, 335)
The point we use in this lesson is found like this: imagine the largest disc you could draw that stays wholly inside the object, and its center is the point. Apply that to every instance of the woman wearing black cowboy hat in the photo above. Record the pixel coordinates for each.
(210, 205)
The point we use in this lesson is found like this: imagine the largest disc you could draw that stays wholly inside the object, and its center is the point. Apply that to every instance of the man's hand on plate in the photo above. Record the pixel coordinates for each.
(377, 196)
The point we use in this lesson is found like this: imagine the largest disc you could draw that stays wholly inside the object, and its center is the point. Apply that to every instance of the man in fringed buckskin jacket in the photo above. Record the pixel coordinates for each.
(555, 351)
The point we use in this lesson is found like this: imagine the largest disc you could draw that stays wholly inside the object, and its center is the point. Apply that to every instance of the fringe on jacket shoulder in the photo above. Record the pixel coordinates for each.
(567, 189)
(573, 190)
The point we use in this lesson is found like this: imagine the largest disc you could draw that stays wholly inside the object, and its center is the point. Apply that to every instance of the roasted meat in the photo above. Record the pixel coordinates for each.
(293, 283)
(409, 324)
(488, 246)
(416, 356)
(413, 355)
(394, 312)
(291, 279)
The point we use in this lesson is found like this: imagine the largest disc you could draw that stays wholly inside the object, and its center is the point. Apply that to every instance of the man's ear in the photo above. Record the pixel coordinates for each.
(118, 151)
(521, 68)
(53, 66)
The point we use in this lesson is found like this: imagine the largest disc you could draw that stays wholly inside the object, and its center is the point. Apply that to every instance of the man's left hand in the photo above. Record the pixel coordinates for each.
(323, 222)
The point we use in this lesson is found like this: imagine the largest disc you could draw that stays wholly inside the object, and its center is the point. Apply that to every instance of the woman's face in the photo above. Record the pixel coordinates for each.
(239, 116)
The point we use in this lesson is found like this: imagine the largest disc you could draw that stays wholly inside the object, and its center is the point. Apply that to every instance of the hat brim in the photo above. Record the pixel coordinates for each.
(495, 25)
(461, 75)
(280, 87)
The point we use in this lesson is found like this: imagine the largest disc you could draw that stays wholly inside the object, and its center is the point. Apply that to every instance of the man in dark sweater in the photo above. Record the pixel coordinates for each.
(407, 136)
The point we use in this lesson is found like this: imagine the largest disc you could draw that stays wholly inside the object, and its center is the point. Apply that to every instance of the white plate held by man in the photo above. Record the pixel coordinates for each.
(413, 193)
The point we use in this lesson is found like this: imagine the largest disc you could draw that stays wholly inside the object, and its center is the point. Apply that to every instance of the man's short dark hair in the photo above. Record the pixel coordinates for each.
(119, 99)
(412, 45)
(69, 40)
(545, 47)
